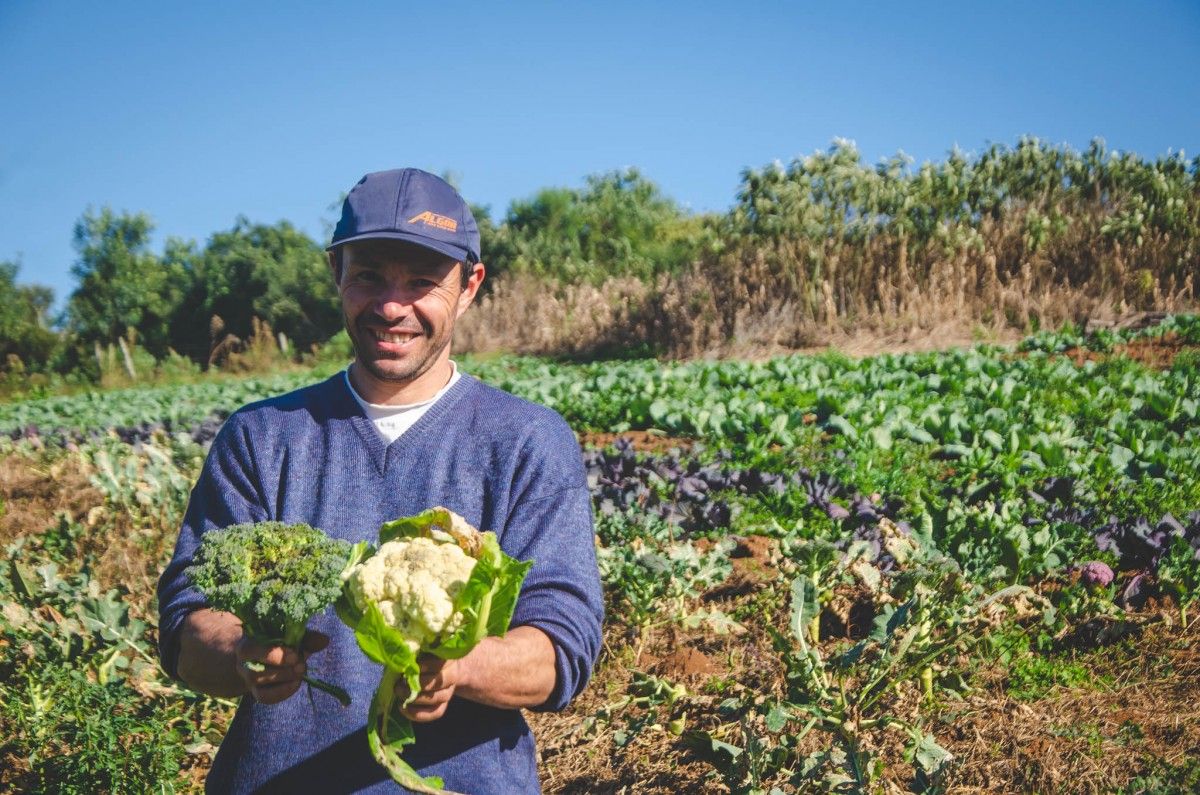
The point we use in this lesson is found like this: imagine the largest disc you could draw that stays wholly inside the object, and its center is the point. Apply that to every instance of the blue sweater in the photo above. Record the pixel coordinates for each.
(312, 456)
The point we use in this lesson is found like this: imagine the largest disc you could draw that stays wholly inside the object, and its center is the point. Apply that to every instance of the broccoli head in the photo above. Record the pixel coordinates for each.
(274, 577)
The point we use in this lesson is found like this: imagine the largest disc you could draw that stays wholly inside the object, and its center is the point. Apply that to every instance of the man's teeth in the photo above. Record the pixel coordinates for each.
(385, 336)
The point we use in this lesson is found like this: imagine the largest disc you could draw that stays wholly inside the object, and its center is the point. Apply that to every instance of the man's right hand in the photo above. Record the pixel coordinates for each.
(214, 652)
(274, 673)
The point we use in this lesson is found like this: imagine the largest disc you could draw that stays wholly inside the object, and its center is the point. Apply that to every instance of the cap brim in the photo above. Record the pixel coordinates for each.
(456, 253)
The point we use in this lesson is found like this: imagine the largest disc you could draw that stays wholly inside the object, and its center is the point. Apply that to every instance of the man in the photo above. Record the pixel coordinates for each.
(398, 432)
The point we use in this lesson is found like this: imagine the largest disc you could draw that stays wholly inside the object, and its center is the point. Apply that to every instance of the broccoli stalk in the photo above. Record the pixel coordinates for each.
(274, 577)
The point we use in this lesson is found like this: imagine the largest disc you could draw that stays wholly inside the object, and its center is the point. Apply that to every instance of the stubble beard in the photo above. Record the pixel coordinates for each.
(413, 369)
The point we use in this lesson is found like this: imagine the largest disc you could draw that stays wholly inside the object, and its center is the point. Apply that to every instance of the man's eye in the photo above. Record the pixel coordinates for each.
(424, 284)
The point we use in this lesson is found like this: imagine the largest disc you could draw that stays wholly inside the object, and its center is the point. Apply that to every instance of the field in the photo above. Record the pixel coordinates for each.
(966, 571)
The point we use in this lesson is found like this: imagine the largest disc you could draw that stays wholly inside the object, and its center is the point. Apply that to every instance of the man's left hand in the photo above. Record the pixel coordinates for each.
(510, 672)
(439, 678)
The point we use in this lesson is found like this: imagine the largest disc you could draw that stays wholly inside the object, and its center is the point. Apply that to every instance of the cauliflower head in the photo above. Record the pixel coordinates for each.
(413, 582)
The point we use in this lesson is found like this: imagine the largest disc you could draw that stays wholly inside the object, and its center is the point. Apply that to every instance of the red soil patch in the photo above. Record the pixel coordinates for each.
(642, 441)
(681, 663)
(756, 554)
(754, 561)
(1155, 352)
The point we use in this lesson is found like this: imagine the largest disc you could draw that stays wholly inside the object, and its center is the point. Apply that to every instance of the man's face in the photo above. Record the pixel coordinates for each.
(399, 303)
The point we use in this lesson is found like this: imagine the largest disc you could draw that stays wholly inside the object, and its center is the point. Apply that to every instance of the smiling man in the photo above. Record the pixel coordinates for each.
(399, 431)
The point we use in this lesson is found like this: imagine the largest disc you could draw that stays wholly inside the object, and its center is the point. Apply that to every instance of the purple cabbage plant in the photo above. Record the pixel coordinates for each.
(684, 493)
(1138, 543)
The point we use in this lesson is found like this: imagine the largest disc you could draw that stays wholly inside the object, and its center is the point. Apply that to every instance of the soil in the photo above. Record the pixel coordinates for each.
(754, 560)
(680, 663)
(34, 495)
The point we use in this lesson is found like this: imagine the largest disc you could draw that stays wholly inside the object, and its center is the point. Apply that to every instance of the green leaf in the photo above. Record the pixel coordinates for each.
(112, 661)
(778, 718)
(930, 756)
(881, 623)
(779, 424)
(706, 743)
(413, 526)
(954, 451)
(804, 606)
(994, 440)
(1120, 457)
(917, 433)
(385, 645)
(388, 732)
(884, 629)
(23, 581)
(882, 437)
(488, 599)
(841, 425)
(850, 656)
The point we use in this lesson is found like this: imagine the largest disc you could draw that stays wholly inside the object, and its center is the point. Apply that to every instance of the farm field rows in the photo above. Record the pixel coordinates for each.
(967, 571)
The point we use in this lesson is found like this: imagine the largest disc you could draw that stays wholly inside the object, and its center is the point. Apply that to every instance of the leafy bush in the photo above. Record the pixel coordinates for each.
(80, 736)
(619, 225)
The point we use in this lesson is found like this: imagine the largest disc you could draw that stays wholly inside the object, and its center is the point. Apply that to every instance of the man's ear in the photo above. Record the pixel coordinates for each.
(335, 265)
(472, 287)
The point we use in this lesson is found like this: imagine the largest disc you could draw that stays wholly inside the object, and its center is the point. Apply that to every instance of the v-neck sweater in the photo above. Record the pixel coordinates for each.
(312, 456)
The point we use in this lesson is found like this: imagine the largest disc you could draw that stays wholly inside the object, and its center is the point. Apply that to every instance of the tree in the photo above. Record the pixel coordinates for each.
(24, 320)
(122, 285)
(619, 225)
(275, 273)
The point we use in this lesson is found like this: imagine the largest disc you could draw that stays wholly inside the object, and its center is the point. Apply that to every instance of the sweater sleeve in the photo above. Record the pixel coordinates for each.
(226, 493)
(561, 595)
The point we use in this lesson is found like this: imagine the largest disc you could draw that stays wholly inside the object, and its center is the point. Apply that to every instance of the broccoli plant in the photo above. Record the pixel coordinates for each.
(274, 577)
(436, 586)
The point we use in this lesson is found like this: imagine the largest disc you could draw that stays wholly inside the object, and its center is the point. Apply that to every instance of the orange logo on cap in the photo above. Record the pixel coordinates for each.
(437, 221)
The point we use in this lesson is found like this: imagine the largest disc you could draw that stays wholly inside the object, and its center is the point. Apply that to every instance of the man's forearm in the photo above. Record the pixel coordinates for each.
(511, 672)
(208, 653)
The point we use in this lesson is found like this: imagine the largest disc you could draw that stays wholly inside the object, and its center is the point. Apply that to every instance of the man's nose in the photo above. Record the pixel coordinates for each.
(393, 301)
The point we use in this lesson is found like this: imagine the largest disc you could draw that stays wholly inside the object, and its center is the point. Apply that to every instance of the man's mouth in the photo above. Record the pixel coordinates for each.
(394, 337)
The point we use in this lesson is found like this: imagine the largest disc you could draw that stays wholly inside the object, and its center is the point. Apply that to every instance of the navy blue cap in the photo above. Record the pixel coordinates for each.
(413, 205)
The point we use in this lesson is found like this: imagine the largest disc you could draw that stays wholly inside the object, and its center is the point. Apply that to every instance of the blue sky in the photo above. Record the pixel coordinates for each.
(197, 113)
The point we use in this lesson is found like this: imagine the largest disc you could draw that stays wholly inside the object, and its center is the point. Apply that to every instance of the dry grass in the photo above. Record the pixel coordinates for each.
(528, 314)
(799, 295)
(34, 494)
(1086, 740)
(38, 494)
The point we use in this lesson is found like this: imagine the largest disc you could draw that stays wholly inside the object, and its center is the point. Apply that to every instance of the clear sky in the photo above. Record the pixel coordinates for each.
(196, 113)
